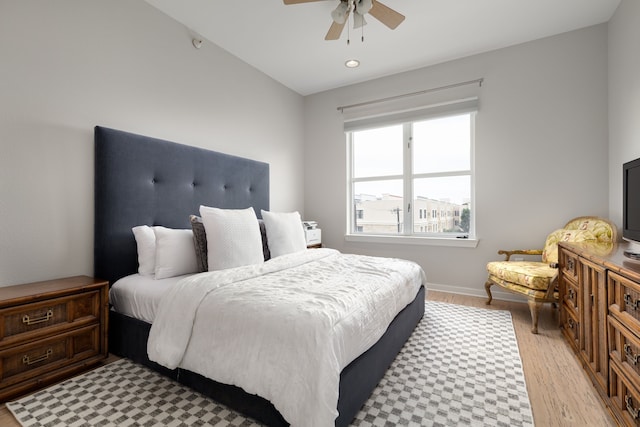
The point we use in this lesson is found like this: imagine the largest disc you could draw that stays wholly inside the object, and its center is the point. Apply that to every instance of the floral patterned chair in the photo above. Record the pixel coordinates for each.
(538, 280)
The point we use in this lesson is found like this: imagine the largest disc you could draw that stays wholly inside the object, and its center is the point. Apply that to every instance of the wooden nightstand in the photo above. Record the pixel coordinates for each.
(51, 330)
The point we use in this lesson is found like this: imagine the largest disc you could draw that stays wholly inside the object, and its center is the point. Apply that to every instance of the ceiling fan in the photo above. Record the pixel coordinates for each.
(360, 8)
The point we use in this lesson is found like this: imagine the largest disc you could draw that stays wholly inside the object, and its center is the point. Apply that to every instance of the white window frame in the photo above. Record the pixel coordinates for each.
(408, 236)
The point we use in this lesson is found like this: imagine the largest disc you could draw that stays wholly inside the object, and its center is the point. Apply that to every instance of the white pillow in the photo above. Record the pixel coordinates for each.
(233, 237)
(285, 234)
(146, 243)
(175, 252)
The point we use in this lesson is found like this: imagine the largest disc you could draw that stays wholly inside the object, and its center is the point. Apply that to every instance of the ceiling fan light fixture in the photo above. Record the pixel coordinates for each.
(352, 63)
(358, 21)
(339, 14)
(360, 8)
(364, 6)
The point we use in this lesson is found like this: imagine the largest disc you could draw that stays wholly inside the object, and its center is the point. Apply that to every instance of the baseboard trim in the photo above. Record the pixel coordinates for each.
(476, 292)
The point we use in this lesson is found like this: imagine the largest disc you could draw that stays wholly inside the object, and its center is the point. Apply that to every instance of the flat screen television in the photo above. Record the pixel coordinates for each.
(631, 204)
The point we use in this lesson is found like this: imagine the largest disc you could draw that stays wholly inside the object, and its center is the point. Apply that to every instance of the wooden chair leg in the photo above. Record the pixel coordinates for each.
(487, 288)
(534, 308)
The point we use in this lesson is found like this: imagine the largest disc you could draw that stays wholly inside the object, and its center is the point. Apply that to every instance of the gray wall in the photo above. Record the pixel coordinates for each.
(542, 131)
(541, 150)
(68, 65)
(624, 98)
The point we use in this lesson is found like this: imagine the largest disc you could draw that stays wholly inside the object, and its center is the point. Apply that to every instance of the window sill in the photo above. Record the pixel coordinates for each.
(413, 240)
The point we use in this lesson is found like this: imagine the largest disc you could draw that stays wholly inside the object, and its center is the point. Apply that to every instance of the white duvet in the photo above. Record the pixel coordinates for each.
(285, 329)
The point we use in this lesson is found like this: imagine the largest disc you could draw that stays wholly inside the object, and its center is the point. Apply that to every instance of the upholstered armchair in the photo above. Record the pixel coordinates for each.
(538, 280)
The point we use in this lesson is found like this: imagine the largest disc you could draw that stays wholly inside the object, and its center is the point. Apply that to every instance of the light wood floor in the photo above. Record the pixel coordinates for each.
(560, 391)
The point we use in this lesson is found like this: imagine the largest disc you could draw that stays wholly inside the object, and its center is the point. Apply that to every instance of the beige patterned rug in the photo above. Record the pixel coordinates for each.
(461, 366)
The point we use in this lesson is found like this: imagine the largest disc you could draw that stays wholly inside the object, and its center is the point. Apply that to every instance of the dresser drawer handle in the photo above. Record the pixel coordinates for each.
(28, 361)
(635, 305)
(629, 352)
(632, 411)
(44, 318)
(570, 264)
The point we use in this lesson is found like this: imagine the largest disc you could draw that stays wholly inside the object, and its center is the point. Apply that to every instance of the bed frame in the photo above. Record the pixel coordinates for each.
(142, 180)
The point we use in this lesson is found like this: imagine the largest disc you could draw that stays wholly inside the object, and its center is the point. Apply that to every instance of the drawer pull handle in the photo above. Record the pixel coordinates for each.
(635, 305)
(44, 318)
(632, 411)
(629, 352)
(570, 264)
(28, 361)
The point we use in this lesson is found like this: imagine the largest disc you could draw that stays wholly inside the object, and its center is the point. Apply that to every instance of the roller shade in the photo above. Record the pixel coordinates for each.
(458, 106)
(462, 97)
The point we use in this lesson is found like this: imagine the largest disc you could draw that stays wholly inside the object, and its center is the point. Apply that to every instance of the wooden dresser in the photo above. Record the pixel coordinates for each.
(600, 318)
(50, 330)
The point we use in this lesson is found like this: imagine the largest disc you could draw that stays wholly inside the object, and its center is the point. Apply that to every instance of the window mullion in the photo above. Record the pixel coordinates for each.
(378, 178)
(351, 214)
(408, 181)
(442, 174)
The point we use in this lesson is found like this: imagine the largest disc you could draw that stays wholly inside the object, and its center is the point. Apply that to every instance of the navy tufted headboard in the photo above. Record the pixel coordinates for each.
(141, 180)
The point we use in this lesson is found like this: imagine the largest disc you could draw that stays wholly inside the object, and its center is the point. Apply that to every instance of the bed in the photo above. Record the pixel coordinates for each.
(143, 180)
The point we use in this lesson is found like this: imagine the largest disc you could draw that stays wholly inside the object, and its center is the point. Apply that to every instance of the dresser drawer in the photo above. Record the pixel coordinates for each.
(33, 320)
(624, 300)
(26, 361)
(624, 346)
(570, 327)
(624, 397)
(569, 263)
(570, 297)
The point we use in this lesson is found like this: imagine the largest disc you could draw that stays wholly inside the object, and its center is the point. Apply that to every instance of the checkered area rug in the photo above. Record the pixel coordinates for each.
(461, 366)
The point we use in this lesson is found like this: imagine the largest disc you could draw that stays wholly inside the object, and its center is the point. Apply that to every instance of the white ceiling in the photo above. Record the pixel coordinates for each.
(287, 42)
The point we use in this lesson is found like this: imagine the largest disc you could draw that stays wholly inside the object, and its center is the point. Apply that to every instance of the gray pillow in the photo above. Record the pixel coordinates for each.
(200, 242)
(265, 243)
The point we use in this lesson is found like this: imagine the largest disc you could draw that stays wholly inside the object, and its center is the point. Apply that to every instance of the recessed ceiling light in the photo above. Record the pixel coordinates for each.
(352, 63)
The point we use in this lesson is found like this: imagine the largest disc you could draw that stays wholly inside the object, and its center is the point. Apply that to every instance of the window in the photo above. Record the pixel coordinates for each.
(413, 178)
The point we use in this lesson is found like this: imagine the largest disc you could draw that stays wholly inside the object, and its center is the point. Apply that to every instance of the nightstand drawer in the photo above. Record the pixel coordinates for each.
(29, 321)
(35, 359)
(51, 330)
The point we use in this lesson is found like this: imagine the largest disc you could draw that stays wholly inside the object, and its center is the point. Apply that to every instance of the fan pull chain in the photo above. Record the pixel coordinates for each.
(348, 33)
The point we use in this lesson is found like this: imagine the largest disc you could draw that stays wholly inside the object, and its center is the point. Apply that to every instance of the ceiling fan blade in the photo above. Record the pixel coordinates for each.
(386, 15)
(299, 1)
(335, 30)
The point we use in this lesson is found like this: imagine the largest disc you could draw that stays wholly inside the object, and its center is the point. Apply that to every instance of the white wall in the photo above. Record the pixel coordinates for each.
(541, 150)
(624, 98)
(68, 65)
